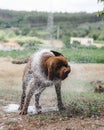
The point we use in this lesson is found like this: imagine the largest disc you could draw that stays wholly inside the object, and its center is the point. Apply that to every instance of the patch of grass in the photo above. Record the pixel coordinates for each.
(9, 95)
(3, 102)
(84, 55)
(68, 129)
(81, 108)
(11, 121)
(17, 54)
(10, 91)
(76, 55)
(45, 116)
(83, 104)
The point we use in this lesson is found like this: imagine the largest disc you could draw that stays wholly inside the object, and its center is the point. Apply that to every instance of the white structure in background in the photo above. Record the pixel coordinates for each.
(83, 41)
(10, 46)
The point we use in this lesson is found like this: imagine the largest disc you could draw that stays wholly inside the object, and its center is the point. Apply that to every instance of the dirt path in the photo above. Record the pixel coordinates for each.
(16, 122)
(11, 75)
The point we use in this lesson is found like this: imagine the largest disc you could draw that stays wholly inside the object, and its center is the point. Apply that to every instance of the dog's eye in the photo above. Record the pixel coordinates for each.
(66, 65)
(58, 66)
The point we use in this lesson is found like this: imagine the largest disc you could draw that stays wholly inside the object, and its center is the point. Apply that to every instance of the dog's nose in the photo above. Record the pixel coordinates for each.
(66, 72)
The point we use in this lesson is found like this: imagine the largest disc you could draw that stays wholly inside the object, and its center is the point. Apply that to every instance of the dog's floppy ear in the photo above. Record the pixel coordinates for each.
(51, 72)
(50, 69)
(56, 53)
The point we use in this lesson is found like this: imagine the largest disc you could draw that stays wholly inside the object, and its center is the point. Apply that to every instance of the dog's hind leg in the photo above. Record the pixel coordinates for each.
(23, 96)
(27, 99)
(27, 78)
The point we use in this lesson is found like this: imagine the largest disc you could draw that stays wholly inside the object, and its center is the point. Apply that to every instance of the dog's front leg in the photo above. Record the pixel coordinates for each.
(37, 97)
(59, 98)
(37, 105)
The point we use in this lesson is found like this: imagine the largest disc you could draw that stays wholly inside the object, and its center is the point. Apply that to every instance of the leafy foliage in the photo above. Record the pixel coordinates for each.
(33, 23)
(101, 13)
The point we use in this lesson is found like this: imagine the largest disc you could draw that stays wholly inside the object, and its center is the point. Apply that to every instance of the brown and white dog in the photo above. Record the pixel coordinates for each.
(44, 68)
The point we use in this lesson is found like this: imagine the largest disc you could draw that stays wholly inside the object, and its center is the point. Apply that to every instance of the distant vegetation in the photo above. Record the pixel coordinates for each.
(74, 55)
(101, 13)
(84, 55)
(17, 24)
(29, 29)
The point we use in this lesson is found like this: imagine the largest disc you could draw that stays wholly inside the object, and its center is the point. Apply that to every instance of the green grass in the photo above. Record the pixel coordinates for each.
(10, 122)
(83, 104)
(84, 55)
(17, 54)
(10, 90)
(75, 55)
(9, 95)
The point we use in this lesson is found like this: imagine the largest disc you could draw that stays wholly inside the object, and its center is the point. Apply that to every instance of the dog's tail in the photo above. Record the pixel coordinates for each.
(20, 61)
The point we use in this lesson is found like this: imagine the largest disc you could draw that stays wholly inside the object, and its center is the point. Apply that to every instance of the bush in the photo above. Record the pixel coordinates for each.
(82, 108)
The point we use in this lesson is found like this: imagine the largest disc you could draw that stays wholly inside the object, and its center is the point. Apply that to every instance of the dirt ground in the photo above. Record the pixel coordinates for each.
(13, 121)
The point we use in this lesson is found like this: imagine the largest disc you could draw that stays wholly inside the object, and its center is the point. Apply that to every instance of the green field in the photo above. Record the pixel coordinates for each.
(74, 55)
(84, 55)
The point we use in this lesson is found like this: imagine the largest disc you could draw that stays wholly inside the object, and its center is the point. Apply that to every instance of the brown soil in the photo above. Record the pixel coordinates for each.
(13, 121)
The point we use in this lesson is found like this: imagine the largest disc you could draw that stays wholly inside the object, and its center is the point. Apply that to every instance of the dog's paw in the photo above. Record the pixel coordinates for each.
(39, 112)
(23, 112)
(61, 107)
(39, 107)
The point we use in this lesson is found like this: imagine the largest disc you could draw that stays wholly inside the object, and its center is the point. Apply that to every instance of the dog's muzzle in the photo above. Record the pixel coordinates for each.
(66, 71)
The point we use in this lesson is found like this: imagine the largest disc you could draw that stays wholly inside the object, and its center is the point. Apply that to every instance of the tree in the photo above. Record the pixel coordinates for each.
(101, 13)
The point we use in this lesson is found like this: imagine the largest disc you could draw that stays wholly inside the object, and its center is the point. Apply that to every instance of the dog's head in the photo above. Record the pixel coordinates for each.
(57, 68)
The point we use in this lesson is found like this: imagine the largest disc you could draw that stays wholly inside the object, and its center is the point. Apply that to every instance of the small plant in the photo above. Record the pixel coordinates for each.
(78, 108)
(67, 129)
(11, 121)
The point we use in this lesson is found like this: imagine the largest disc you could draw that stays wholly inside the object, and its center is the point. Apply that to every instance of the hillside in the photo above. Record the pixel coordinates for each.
(16, 24)
(10, 18)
